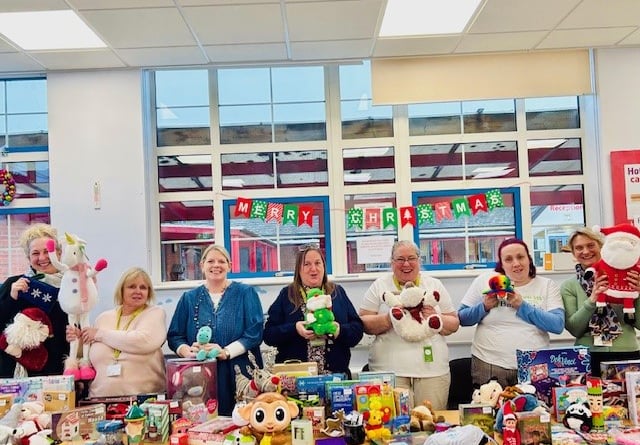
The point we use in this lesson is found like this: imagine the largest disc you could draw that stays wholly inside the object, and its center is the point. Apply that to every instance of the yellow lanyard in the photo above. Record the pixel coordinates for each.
(400, 287)
(116, 352)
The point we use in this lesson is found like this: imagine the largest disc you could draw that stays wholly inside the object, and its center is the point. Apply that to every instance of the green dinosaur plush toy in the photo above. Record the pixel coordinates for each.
(203, 337)
(319, 317)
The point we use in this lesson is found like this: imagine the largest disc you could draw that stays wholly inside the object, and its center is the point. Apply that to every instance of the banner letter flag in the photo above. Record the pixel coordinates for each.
(478, 203)
(494, 199)
(305, 216)
(371, 218)
(460, 207)
(407, 216)
(243, 207)
(259, 209)
(443, 210)
(354, 218)
(425, 214)
(274, 212)
(389, 217)
(290, 214)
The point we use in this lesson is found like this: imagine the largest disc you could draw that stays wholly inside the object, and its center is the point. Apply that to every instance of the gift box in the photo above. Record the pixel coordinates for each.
(290, 371)
(77, 424)
(157, 422)
(340, 395)
(480, 415)
(6, 402)
(316, 384)
(211, 432)
(534, 427)
(59, 400)
(31, 389)
(549, 368)
(193, 383)
(378, 377)
(563, 396)
(616, 369)
(632, 379)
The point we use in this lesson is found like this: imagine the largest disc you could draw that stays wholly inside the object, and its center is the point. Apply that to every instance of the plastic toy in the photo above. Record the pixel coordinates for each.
(269, 416)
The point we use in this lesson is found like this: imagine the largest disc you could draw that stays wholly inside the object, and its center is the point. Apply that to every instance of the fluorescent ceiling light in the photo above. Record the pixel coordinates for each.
(426, 17)
(44, 30)
(357, 177)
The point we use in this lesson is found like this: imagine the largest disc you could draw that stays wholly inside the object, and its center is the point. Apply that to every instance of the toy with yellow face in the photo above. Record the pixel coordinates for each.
(269, 417)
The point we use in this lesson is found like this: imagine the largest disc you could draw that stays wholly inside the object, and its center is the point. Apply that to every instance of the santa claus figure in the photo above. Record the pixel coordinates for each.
(24, 338)
(510, 432)
(619, 255)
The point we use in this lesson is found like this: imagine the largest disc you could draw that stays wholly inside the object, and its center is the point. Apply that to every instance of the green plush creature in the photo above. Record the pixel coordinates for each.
(319, 317)
(203, 337)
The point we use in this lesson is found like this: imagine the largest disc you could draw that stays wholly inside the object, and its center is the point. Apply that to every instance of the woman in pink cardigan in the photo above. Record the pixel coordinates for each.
(126, 342)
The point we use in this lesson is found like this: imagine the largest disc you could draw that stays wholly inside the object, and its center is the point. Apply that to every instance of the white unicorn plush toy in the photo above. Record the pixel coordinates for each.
(77, 296)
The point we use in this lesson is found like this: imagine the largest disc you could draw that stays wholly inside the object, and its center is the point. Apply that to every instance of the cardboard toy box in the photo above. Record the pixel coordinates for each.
(616, 369)
(534, 427)
(563, 396)
(6, 401)
(77, 424)
(32, 388)
(290, 371)
(58, 400)
(341, 395)
(316, 384)
(193, 382)
(480, 415)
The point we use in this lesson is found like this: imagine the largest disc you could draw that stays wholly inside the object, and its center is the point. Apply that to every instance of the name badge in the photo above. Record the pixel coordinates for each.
(114, 370)
(427, 354)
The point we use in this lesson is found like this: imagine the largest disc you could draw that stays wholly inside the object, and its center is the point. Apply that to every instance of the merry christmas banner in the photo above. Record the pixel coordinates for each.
(374, 218)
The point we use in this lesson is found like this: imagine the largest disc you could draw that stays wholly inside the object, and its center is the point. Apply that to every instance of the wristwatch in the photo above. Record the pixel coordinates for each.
(227, 354)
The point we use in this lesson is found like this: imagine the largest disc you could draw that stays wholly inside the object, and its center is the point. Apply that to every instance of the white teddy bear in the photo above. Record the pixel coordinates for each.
(406, 312)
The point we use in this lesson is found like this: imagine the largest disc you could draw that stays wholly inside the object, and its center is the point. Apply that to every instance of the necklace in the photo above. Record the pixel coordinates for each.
(224, 288)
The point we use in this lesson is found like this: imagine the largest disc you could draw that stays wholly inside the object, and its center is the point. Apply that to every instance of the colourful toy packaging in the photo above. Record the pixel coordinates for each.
(30, 389)
(316, 384)
(77, 424)
(193, 383)
(563, 396)
(534, 427)
(481, 416)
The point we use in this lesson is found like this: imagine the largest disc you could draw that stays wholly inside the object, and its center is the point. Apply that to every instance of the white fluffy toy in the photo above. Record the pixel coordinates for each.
(406, 312)
(77, 296)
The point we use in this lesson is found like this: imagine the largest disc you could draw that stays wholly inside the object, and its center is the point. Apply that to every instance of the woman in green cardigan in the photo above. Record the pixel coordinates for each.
(607, 335)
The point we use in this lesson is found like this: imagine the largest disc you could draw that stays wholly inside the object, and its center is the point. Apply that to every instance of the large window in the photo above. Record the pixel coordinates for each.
(24, 147)
(247, 151)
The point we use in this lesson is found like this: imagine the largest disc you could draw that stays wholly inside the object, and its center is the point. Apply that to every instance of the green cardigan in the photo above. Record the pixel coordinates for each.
(577, 313)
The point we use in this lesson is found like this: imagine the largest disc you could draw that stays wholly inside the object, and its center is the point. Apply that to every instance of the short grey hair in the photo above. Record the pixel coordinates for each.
(402, 243)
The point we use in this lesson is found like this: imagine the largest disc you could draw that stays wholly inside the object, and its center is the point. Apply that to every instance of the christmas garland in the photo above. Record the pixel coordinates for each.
(9, 188)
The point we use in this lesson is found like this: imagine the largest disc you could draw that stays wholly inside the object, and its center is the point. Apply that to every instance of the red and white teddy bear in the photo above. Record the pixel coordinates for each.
(620, 254)
(407, 318)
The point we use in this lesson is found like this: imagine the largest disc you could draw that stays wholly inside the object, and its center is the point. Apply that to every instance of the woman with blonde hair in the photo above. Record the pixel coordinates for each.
(606, 336)
(126, 342)
(234, 313)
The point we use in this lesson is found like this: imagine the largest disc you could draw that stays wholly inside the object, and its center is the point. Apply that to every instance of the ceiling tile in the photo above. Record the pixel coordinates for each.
(584, 37)
(509, 41)
(119, 4)
(246, 53)
(415, 46)
(191, 55)
(520, 15)
(219, 25)
(79, 59)
(139, 28)
(337, 20)
(631, 39)
(220, 2)
(32, 5)
(12, 62)
(342, 49)
(600, 14)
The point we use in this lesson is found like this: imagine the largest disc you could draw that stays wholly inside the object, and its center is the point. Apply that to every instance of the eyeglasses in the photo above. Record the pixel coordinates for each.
(402, 260)
(308, 246)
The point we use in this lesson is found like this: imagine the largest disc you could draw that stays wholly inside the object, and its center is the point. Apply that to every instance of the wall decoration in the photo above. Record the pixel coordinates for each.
(625, 185)
(9, 191)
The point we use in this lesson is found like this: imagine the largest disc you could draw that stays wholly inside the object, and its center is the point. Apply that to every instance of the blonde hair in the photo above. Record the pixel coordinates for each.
(584, 231)
(221, 250)
(35, 231)
(128, 276)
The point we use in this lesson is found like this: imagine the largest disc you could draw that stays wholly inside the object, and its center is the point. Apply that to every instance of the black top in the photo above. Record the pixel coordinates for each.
(57, 346)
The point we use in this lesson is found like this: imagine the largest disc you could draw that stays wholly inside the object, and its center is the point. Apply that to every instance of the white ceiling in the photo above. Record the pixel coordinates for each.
(159, 33)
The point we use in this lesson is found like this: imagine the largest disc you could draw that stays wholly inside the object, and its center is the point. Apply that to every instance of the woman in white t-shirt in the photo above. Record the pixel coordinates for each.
(521, 320)
(422, 367)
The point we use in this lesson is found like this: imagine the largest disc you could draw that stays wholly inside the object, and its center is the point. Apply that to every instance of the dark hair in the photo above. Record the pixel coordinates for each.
(500, 269)
(295, 296)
